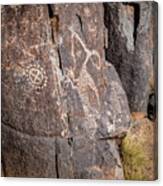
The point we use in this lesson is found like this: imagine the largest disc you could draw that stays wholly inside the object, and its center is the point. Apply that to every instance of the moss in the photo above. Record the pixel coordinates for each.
(137, 152)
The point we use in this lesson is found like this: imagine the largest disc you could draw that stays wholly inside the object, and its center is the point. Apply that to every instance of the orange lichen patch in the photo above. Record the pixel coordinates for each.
(151, 82)
(138, 115)
(7, 66)
(94, 172)
(102, 172)
(129, 9)
(55, 23)
(110, 174)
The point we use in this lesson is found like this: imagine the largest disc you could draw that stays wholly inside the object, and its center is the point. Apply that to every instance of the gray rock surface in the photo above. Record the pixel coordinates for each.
(132, 36)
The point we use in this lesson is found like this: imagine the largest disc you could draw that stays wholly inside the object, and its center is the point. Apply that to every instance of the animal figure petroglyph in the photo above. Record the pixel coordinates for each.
(83, 79)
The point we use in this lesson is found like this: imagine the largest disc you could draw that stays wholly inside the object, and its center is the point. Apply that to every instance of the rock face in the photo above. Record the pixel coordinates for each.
(132, 45)
(63, 105)
(70, 73)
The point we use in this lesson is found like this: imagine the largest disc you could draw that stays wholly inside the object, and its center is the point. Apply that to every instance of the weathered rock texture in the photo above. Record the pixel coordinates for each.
(63, 104)
(131, 46)
(132, 36)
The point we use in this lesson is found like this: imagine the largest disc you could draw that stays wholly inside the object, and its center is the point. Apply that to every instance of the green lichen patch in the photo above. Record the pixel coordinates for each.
(138, 151)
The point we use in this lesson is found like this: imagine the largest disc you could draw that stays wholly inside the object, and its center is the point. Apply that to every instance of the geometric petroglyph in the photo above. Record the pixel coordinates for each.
(36, 76)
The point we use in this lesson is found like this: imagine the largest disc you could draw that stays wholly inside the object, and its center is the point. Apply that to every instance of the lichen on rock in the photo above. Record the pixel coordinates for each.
(137, 150)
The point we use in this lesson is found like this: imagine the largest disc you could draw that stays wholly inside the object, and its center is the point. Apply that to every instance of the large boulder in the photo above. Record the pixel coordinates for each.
(131, 30)
(63, 105)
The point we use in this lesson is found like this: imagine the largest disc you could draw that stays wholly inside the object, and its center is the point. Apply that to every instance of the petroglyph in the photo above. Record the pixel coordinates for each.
(81, 56)
(36, 76)
(33, 76)
(88, 52)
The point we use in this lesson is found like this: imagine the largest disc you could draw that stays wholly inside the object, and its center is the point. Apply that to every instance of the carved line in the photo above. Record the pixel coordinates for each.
(36, 76)
(88, 52)
(34, 73)
(84, 72)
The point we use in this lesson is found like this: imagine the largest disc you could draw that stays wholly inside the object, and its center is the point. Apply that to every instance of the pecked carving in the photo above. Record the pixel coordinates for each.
(36, 76)
(81, 56)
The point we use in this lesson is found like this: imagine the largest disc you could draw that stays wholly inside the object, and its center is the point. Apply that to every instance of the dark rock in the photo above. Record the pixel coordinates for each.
(151, 110)
(27, 156)
(62, 103)
(131, 45)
